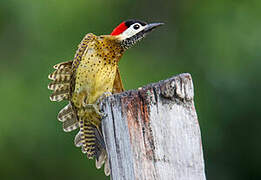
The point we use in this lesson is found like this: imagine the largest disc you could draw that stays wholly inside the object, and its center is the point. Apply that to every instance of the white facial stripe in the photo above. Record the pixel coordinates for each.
(131, 31)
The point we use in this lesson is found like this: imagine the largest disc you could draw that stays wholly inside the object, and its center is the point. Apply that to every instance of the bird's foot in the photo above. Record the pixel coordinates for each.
(102, 97)
(98, 103)
(94, 108)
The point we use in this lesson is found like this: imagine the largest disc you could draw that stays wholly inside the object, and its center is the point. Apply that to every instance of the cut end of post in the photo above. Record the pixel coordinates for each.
(180, 86)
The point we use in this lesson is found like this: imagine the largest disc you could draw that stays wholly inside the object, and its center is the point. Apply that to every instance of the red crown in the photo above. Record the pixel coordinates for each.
(119, 29)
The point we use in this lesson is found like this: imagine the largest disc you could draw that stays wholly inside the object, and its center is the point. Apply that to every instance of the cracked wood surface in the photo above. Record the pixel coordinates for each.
(153, 133)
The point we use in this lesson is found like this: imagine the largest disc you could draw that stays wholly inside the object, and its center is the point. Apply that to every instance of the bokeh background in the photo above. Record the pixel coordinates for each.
(217, 41)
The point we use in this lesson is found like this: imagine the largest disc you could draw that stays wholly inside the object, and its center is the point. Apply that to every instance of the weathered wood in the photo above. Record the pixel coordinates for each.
(153, 133)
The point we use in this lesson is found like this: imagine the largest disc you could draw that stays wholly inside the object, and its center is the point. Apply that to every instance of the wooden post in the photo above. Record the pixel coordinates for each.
(153, 133)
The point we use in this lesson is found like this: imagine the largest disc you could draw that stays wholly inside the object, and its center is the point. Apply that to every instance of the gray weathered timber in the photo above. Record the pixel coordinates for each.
(153, 133)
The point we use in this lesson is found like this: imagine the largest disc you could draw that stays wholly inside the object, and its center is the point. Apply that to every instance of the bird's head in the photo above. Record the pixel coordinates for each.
(131, 31)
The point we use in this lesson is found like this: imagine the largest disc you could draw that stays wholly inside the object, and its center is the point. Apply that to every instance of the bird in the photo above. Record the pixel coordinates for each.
(88, 78)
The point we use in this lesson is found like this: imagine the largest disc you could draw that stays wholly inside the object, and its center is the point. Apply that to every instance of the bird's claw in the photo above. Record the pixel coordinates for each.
(95, 108)
(103, 96)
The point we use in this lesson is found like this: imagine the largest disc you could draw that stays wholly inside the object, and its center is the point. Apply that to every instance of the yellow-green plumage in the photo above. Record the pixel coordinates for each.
(95, 66)
(84, 81)
(93, 72)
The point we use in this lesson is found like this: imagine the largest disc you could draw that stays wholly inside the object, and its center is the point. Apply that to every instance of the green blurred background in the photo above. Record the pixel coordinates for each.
(217, 41)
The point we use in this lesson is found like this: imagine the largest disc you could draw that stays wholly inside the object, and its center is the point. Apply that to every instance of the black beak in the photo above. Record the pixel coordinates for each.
(150, 27)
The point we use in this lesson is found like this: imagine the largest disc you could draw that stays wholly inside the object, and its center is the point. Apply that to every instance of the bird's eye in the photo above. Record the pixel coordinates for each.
(136, 26)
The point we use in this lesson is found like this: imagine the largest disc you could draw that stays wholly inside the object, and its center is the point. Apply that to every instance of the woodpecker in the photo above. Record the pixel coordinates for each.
(92, 75)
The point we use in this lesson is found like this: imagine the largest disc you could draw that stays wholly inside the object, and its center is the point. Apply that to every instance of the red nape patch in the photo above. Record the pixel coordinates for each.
(119, 29)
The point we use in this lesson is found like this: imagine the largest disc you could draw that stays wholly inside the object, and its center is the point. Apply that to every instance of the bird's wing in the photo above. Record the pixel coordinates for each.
(78, 57)
(60, 84)
(117, 86)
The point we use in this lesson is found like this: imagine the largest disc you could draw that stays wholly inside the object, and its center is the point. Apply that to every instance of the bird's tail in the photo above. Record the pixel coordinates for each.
(90, 139)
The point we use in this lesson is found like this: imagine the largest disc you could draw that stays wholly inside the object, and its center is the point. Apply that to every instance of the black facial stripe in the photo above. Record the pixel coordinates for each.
(127, 43)
(129, 22)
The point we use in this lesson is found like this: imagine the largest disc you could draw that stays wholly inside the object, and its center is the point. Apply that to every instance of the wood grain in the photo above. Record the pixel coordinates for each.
(153, 133)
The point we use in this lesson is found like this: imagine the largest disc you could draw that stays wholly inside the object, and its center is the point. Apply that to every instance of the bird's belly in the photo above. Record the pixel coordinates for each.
(103, 83)
(92, 82)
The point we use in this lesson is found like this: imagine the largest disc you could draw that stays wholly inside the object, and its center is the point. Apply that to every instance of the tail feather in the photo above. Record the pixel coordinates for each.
(102, 156)
(107, 169)
(101, 159)
(90, 139)
(77, 140)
